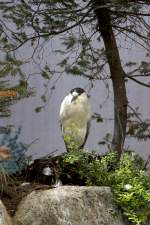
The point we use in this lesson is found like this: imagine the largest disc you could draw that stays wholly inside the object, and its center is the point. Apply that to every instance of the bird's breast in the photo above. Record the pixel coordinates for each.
(74, 118)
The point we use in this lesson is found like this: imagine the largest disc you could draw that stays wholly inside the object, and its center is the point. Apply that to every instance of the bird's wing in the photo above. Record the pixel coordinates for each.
(62, 130)
(61, 126)
(87, 133)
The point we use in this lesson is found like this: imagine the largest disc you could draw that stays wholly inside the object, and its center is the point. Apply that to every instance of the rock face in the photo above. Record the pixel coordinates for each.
(68, 205)
(4, 217)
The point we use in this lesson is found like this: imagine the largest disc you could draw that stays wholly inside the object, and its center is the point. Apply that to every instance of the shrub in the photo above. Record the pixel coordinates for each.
(129, 181)
(131, 188)
(18, 150)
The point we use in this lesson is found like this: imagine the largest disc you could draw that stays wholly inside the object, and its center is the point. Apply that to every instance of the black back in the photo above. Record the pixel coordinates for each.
(78, 90)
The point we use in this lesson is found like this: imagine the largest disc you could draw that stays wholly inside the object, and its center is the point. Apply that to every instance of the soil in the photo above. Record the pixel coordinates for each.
(12, 194)
(15, 187)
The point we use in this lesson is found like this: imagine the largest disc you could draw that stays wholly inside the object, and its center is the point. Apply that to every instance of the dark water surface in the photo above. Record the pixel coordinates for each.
(45, 125)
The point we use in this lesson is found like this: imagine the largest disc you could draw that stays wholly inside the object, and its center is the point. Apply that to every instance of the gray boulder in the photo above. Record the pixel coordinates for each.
(4, 217)
(68, 205)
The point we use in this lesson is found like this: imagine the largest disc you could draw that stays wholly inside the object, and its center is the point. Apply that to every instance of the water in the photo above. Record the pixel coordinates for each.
(44, 126)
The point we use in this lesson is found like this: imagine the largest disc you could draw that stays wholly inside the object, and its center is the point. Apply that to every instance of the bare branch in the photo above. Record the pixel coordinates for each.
(133, 39)
(123, 12)
(137, 81)
(132, 31)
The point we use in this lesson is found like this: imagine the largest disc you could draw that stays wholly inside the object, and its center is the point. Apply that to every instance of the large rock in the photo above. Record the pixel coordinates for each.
(68, 205)
(4, 217)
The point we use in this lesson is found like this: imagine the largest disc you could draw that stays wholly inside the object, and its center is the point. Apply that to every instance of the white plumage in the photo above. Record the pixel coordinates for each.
(75, 115)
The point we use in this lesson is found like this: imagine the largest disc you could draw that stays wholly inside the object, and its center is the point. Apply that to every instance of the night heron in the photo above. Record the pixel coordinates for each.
(75, 115)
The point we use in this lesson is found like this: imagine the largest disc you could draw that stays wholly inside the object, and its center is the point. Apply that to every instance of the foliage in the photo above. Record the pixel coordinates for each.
(18, 149)
(129, 182)
(131, 188)
(72, 138)
(12, 92)
(143, 131)
(136, 126)
(35, 24)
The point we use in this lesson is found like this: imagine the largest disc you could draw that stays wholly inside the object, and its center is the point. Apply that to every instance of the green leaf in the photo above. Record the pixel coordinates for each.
(43, 97)
(45, 75)
(75, 70)
(38, 109)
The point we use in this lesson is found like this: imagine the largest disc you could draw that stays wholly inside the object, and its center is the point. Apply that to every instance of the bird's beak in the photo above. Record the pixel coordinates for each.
(74, 98)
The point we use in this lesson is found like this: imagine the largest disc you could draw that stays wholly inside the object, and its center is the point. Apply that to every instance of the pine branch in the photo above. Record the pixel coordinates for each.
(52, 32)
(137, 81)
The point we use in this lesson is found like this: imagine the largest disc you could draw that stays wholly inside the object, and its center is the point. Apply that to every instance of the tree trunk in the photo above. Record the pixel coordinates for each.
(117, 75)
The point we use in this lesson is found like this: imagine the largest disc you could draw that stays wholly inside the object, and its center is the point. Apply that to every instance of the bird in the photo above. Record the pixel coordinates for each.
(75, 117)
